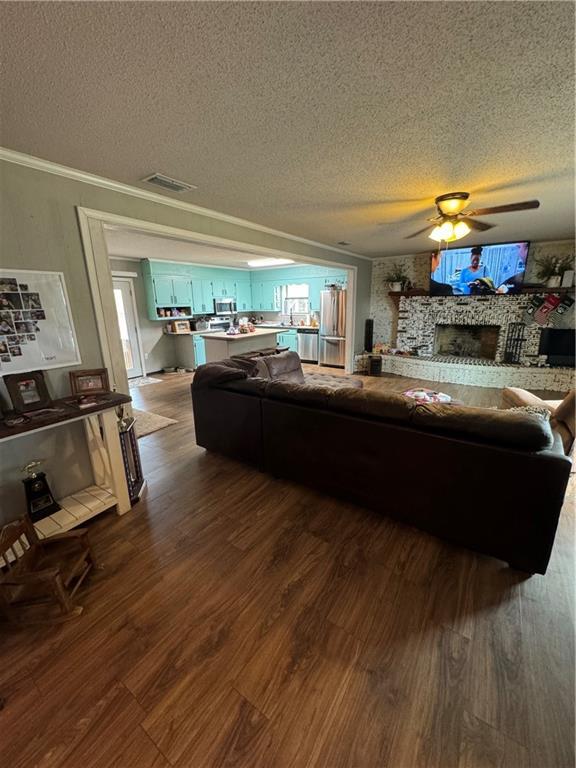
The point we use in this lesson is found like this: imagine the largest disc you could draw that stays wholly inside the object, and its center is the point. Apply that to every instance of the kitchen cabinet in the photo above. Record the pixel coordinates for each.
(271, 296)
(288, 339)
(170, 284)
(243, 294)
(199, 351)
(202, 297)
(163, 294)
(315, 286)
(172, 291)
(257, 295)
(182, 290)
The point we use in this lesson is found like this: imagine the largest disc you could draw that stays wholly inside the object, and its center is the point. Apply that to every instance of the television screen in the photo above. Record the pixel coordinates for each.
(479, 270)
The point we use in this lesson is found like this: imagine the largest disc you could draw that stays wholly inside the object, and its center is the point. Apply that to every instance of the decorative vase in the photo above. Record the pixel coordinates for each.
(554, 281)
(396, 287)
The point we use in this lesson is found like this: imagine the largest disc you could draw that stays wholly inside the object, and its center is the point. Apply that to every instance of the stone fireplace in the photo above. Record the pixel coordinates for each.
(471, 341)
(487, 330)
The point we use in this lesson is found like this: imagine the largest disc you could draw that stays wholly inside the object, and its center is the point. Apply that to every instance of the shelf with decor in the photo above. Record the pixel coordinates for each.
(109, 488)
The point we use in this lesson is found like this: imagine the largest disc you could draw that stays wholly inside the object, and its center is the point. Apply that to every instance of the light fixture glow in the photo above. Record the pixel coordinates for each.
(452, 206)
(268, 262)
(449, 232)
(452, 203)
(461, 229)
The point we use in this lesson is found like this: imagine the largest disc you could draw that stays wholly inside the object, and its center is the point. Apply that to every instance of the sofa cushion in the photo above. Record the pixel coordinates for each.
(285, 366)
(251, 386)
(334, 382)
(384, 406)
(212, 374)
(303, 394)
(521, 430)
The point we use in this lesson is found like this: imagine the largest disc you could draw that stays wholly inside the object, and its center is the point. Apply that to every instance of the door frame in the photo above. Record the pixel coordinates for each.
(122, 278)
(92, 224)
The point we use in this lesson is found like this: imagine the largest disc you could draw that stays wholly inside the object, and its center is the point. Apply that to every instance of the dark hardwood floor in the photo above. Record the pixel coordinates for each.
(245, 621)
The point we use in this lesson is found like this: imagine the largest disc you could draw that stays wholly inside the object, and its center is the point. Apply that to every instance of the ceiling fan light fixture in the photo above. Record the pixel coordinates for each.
(449, 231)
(461, 229)
(452, 203)
(444, 231)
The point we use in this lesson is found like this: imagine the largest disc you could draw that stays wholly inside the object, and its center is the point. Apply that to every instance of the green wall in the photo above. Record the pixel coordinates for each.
(39, 230)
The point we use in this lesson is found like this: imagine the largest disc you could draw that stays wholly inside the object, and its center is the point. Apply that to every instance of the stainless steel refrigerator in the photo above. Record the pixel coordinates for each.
(332, 347)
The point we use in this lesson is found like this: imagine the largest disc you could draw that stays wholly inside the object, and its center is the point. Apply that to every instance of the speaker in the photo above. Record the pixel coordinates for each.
(375, 365)
(368, 335)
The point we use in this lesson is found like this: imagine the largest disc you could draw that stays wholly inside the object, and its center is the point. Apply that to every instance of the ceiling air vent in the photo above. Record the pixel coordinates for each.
(172, 185)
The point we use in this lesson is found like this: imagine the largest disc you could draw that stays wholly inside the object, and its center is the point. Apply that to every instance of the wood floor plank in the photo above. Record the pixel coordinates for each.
(242, 620)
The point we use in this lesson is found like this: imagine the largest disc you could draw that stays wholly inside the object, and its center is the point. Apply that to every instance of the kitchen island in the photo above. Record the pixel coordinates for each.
(221, 346)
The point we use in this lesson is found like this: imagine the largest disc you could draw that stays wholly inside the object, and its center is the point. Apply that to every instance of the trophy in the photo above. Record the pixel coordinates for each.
(39, 498)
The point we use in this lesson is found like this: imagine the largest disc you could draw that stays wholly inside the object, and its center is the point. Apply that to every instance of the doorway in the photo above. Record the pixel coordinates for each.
(92, 229)
(128, 325)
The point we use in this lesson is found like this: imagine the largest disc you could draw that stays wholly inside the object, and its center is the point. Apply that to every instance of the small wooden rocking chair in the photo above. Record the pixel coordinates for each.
(34, 571)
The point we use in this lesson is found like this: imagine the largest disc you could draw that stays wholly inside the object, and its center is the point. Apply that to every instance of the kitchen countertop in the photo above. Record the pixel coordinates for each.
(240, 336)
(289, 327)
(188, 333)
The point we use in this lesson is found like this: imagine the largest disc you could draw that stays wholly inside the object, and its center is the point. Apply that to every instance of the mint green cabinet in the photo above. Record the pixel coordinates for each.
(271, 291)
(170, 284)
(202, 297)
(182, 290)
(163, 293)
(223, 285)
(288, 339)
(218, 287)
(243, 295)
(257, 295)
(199, 351)
(315, 286)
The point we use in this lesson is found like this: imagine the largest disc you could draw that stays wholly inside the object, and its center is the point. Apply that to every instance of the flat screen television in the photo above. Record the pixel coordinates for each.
(479, 270)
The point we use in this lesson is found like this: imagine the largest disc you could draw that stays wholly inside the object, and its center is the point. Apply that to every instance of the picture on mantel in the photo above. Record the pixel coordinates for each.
(36, 327)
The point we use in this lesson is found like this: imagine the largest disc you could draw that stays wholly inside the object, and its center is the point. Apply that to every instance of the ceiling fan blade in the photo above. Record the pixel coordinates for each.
(526, 206)
(480, 226)
(420, 232)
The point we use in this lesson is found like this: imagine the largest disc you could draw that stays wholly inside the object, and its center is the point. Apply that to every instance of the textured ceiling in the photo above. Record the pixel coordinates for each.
(333, 121)
(130, 244)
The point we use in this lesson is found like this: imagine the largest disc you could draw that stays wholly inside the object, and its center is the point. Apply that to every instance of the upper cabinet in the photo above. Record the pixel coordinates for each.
(202, 298)
(243, 294)
(165, 292)
(192, 289)
(182, 289)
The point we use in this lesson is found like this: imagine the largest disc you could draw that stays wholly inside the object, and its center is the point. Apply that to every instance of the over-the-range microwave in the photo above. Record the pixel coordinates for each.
(225, 306)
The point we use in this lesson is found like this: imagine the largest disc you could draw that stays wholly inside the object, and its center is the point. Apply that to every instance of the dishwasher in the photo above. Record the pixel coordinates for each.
(307, 344)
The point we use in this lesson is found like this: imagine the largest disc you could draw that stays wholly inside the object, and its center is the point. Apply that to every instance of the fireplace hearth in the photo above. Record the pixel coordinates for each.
(470, 341)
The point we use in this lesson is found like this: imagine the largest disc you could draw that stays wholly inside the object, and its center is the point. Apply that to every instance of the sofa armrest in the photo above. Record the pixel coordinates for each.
(514, 397)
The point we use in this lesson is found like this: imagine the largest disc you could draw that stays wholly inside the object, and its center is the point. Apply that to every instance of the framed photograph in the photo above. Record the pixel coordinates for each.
(34, 305)
(94, 382)
(28, 391)
(180, 326)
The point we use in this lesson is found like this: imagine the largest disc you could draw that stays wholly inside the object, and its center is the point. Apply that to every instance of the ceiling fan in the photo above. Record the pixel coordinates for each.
(452, 222)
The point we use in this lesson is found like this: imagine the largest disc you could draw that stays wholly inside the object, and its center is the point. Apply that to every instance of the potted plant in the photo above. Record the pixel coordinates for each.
(396, 277)
(551, 268)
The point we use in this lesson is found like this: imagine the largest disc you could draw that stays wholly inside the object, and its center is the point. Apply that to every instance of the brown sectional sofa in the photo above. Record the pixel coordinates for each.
(490, 480)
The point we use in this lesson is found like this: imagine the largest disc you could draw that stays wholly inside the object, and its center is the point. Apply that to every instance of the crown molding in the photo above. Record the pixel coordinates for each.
(47, 166)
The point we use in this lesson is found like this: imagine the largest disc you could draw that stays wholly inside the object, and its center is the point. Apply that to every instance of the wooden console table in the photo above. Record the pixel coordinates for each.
(101, 429)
